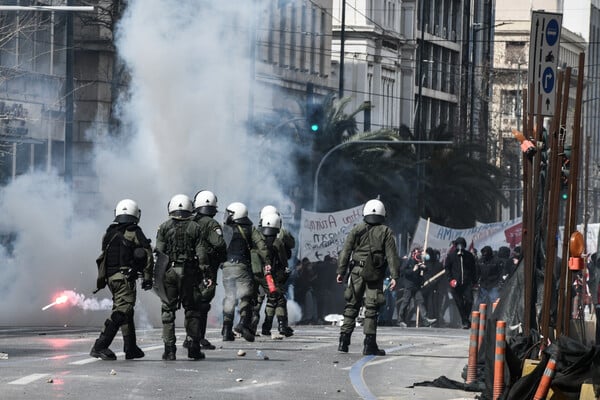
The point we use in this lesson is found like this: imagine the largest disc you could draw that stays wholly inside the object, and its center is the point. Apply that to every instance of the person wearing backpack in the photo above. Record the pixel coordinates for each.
(367, 249)
(126, 255)
(180, 238)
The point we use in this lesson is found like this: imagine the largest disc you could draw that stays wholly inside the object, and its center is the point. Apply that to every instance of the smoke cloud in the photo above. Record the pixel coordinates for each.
(184, 128)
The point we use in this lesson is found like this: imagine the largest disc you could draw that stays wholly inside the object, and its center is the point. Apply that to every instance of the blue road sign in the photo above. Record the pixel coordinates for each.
(548, 80)
(552, 32)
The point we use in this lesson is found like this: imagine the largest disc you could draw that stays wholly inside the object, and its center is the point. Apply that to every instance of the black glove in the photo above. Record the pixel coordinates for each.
(147, 284)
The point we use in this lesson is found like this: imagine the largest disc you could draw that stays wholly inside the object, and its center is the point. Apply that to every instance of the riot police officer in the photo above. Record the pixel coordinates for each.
(205, 208)
(126, 254)
(246, 243)
(287, 240)
(180, 238)
(275, 277)
(367, 249)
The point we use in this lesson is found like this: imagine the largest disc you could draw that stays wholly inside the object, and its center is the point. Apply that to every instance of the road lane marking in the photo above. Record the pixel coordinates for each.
(28, 379)
(356, 373)
(251, 386)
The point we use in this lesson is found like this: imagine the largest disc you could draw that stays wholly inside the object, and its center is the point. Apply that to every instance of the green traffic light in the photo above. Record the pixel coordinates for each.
(314, 127)
(564, 196)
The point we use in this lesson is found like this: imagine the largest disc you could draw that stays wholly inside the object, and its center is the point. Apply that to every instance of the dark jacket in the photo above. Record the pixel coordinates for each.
(460, 267)
(489, 272)
(412, 279)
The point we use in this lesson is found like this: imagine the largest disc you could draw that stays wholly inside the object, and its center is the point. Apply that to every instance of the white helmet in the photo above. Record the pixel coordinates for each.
(127, 210)
(374, 212)
(180, 205)
(236, 211)
(205, 202)
(271, 224)
(266, 210)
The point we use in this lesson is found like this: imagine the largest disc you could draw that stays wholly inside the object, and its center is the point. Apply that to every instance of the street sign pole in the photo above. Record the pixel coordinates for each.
(543, 59)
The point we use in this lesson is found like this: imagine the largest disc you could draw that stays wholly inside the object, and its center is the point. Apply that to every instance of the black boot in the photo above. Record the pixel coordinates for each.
(169, 354)
(206, 345)
(100, 348)
(370, 347)
(254, 323)
(284, 329)
(227, 332)
(194, 351)
(243, 327)
(267, 325)
(344, 342)
(130, 347)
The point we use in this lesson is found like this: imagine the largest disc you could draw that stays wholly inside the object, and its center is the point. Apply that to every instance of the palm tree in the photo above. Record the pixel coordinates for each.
(444, 183)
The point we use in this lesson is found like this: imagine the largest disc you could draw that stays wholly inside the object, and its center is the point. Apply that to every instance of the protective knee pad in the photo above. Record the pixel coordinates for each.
(119, 318)
(350, 312)
(167, 316)
(370, 312)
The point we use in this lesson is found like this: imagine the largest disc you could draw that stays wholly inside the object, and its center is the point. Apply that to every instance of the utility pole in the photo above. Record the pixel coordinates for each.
(342, 40)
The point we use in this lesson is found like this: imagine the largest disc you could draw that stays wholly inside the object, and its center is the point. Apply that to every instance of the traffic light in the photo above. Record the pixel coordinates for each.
(315, 117)
(565, 170)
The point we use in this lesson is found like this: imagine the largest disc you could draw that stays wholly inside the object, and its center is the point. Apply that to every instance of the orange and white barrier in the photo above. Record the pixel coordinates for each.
(482, 318)
(472, 363)
(544, 386)
(499, 358)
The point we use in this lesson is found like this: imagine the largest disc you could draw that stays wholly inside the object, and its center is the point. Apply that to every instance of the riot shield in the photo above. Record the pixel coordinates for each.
(161, 262)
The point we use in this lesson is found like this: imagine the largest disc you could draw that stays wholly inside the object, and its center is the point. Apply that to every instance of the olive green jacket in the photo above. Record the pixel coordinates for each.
(365, 240)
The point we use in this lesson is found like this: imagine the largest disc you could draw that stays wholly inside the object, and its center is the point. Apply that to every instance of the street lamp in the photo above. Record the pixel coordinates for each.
(338, 146)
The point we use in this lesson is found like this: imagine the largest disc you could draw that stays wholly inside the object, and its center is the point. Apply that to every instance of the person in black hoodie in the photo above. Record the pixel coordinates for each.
(413, 271)
(461, 274)
(489, 276)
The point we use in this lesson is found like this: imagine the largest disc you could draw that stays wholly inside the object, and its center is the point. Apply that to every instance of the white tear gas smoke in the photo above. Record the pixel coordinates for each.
(183, 129)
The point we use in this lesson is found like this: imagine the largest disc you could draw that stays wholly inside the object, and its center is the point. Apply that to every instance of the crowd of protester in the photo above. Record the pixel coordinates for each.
(424, 287)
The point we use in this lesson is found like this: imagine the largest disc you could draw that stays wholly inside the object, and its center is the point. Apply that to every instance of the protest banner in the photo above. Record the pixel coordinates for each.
(324, 234)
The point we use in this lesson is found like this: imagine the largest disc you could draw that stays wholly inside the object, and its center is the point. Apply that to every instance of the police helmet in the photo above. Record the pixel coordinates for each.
(266, 210)
(374, 212)
(236, 211)
(205, 203)
(127, 211)
(271, 224)
(180, 206)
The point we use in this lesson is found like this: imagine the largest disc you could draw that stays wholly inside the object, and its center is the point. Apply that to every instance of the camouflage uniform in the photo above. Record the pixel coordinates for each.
(180, 238)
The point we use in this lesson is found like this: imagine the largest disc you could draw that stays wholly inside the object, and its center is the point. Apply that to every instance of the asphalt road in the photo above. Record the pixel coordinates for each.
(52, 363)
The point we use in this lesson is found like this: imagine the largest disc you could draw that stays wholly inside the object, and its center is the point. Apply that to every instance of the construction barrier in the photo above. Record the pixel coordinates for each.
(482, 318)
(542, 389)
(499, 360)
(473, 339)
